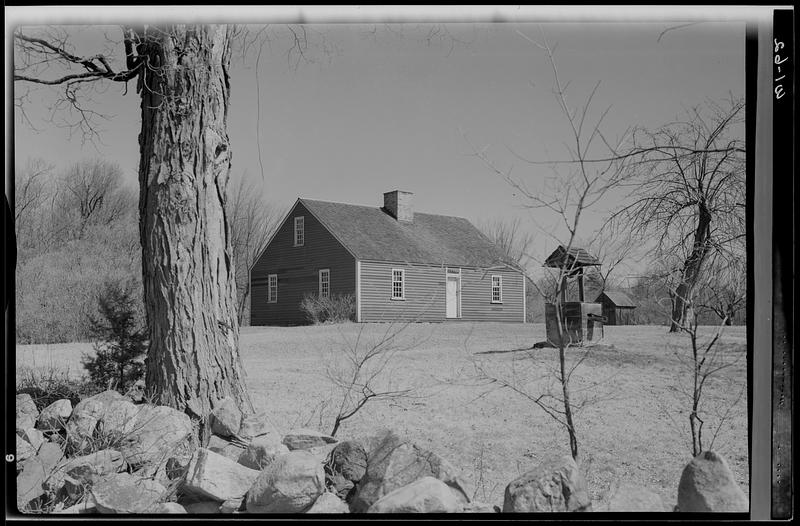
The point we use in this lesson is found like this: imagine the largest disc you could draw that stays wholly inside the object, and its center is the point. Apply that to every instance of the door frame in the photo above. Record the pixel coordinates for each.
(449, 273)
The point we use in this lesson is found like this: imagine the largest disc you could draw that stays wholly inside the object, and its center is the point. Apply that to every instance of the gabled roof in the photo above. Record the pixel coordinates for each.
(370, 233)
(574, 258)
(619, 299)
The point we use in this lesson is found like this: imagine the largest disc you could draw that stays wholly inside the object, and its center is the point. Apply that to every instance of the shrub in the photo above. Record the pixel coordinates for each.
(336, 308)
(117, 361)
(46, 385)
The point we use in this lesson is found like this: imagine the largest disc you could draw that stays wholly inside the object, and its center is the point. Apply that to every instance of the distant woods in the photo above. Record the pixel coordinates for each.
(77, 231)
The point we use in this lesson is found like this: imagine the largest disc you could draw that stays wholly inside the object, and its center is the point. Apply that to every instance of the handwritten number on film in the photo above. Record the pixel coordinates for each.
(779, 92)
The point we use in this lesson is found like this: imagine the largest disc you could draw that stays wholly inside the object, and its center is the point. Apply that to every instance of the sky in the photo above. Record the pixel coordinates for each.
(379, 107)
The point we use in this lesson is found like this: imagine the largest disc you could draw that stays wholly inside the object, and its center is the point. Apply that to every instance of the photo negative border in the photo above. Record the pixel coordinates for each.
(760, 193)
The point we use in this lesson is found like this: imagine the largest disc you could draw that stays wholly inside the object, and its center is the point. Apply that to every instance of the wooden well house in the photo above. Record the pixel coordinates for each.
(580, 321)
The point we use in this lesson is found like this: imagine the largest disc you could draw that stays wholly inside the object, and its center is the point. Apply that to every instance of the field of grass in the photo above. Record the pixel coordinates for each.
(632, 429)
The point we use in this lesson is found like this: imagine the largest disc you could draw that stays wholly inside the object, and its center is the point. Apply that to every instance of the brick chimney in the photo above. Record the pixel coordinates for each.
(399, 205)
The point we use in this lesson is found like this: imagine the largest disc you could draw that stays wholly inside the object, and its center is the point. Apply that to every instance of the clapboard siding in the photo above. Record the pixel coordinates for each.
(425, 295)
(298, 270)
(476, 296)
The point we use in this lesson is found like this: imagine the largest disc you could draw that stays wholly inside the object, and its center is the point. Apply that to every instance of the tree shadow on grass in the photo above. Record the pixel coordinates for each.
(537, 345)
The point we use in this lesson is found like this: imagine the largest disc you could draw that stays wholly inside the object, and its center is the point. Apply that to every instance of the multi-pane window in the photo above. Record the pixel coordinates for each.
(299, 231)
(398, 284)
(324, 283)
(497, 289)
(272, 289)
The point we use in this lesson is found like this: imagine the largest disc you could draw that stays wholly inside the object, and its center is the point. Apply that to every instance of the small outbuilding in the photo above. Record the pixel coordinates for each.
(618, 308)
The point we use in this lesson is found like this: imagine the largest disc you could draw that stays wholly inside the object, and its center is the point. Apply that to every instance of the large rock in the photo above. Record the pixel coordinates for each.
(262, 451)
(425, 495)
(77, 474)
(126, 493)
(27, 413)
(348, 459)
(204, 506)
(50, 454)
(218, 478)
(306, 439)
(225, 448)
(85, 415)
(393, 462)
(118, 420)
(344, 489)
(555, 485)
(34, 437)
(226, 418)
(137, 392)
(257, 425)
(480, 507)
(25, 449)
(231, 506)
(159, 433)
(707, 485)
(30, 483)
(85, 507)
(88, 467)
(631, 497)
(168, 508)
(329, 503)
(291, 484)
(36, 470)
(54, 417)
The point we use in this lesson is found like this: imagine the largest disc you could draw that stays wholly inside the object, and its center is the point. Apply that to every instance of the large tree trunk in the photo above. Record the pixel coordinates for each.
(691, 268)
(187, 263)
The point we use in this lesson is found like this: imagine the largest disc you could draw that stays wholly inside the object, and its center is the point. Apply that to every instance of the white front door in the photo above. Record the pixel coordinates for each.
(452, 296)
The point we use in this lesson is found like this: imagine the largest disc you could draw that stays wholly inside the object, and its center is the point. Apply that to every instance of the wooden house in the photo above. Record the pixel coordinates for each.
(399, 265)
(618, 308)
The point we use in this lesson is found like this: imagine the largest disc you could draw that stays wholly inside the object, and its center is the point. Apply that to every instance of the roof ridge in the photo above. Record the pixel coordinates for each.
(379, 208)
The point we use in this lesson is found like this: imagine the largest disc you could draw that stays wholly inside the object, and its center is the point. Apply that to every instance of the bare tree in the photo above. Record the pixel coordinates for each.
(362, 371)
(181, 74)
(92, 193)
(614, 248)
(30, 195)
(689, 192)
(253, 221)
(724, 289)
(29, 190)
(577, 186)
(514, 243)
(700, 364)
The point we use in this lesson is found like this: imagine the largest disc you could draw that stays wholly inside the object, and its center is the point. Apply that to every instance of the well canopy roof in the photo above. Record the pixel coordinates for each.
(569, 259)
(370, 233)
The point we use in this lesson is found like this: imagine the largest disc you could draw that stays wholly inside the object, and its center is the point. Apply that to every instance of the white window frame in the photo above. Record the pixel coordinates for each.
(272, 298)
(327, 273)
(299, 221)
(402, 284)
(499, 288)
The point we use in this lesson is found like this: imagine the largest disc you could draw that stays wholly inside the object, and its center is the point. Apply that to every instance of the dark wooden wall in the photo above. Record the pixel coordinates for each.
(298, 270)
(619, 315)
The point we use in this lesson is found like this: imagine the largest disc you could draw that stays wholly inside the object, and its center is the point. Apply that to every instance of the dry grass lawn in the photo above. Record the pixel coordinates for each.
(633, 430)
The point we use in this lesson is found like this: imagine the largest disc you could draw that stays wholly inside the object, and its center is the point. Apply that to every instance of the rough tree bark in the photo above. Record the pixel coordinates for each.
(691, 268)
(187, 262)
